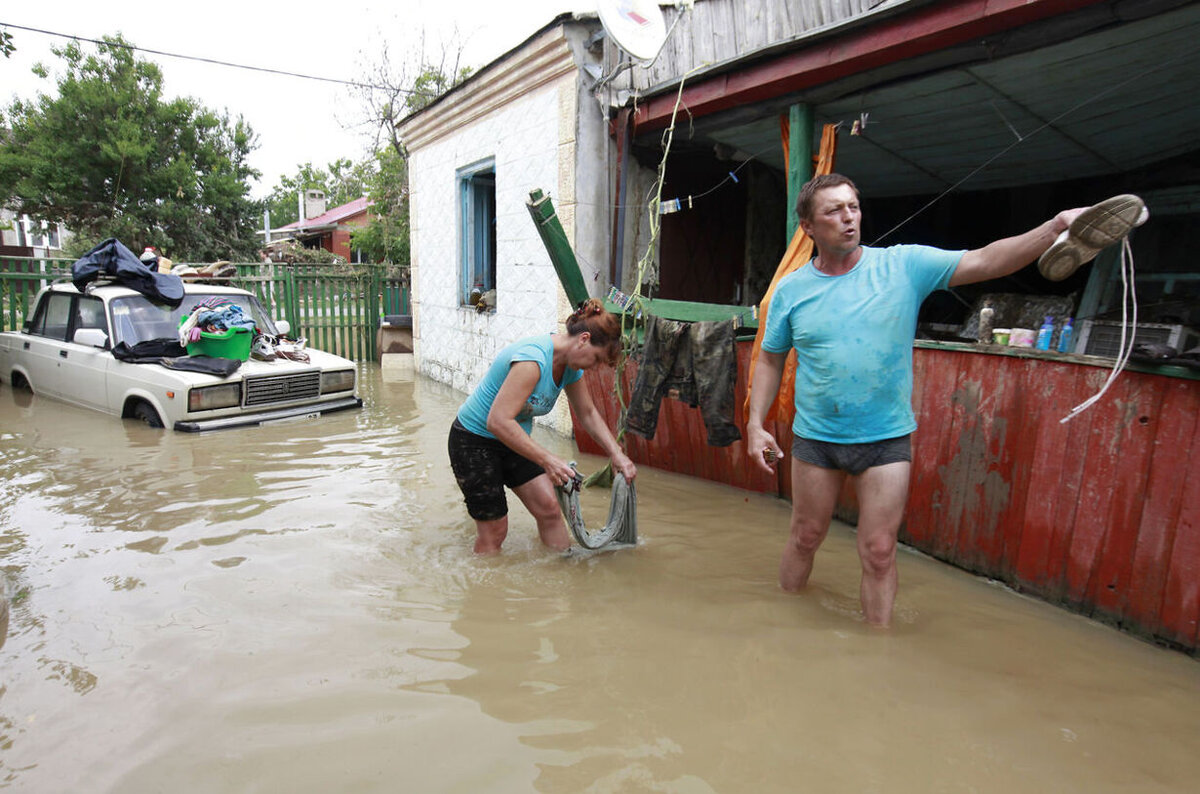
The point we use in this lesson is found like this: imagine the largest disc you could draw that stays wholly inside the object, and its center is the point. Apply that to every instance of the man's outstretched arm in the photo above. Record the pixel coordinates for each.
(1011, 253)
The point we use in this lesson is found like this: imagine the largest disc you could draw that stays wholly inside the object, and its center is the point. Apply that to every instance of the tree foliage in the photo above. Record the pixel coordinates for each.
(110, 156)
(386, 237)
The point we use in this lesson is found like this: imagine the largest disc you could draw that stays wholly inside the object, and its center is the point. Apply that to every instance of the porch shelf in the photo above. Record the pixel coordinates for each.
(687, 311)
(1168, 370)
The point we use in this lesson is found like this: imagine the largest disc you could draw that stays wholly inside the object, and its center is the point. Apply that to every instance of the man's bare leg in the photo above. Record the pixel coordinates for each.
(814, 494)
(882, 495)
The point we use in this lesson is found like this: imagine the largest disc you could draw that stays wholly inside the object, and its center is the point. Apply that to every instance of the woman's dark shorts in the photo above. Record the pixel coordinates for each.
(853, 458)
(483, 466)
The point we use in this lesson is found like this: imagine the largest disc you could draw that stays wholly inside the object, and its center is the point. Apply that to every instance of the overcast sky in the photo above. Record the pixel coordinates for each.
(297, 120)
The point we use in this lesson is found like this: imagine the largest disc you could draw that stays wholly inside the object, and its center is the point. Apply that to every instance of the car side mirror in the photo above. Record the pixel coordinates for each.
(283, 327)
(92, 337)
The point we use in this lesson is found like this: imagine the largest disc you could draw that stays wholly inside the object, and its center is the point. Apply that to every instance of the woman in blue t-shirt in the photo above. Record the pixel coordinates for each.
(490, 446)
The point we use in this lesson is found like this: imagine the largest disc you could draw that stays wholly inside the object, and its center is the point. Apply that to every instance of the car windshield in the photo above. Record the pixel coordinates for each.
(136, 319)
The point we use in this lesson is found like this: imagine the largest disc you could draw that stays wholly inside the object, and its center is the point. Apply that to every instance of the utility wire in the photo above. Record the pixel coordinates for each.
(229, 64)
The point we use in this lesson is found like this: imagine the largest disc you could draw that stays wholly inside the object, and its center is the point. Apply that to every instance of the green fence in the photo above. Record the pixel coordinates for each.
(336, 310)
(20, 280)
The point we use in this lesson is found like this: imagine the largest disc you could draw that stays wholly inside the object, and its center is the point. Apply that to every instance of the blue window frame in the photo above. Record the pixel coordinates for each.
(477, 229)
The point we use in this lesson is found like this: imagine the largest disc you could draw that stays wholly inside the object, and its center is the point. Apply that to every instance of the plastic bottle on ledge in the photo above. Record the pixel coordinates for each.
(986, 317)
(1064, 338)
(1045, 333)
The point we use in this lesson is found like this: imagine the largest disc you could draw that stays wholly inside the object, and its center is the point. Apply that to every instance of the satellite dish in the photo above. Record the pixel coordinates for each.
(636, 26)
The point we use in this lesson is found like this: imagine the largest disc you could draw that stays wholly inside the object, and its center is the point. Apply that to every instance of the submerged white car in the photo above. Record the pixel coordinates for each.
(65, 351)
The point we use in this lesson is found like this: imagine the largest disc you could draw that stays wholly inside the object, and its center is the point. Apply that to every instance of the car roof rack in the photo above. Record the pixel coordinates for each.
(101, 281)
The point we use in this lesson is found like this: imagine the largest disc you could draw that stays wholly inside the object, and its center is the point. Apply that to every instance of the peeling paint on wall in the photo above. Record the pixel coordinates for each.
(974, 486)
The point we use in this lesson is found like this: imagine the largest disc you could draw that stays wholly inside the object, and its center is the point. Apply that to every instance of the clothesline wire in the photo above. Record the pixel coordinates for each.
(732, 175)
(1020, 139)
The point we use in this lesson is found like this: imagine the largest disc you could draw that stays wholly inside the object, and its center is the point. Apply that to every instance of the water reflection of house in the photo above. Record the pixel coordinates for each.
(961, 122)
(319, 227)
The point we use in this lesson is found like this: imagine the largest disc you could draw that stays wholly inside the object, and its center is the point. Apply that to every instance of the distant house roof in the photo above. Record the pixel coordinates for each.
(330, 217)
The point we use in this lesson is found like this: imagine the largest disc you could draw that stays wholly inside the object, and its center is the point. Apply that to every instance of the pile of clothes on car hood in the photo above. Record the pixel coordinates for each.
(214, 315)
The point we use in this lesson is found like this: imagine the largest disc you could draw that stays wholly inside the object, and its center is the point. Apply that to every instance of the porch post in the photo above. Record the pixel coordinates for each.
(800, 166)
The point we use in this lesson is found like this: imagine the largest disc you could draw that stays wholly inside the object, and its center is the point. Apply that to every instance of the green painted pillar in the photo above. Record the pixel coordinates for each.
(799, 167)
(555, 239)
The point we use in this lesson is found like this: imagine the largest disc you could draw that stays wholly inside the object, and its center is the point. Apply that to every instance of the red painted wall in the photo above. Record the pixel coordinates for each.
(339, 243)
(1097, 515)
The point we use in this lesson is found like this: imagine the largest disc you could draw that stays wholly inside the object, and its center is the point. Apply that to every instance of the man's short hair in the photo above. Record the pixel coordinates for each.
(808, 193)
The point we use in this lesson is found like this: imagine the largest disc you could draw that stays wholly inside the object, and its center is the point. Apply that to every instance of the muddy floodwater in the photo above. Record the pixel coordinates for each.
(296, 608)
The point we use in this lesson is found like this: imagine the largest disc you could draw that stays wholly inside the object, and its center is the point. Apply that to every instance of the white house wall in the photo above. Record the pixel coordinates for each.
(531, 112)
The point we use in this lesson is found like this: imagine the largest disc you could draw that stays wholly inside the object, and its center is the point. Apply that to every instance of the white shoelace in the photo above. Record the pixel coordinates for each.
(1128, 328)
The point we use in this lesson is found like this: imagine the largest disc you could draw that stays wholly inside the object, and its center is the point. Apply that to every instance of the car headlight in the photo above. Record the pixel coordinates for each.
(339, 380)
(206, 398)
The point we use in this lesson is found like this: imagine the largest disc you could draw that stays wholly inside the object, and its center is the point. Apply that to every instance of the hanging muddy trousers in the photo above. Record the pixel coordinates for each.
(695, 361)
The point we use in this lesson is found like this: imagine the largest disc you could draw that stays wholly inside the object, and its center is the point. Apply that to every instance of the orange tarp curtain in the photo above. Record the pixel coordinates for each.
(799, 251)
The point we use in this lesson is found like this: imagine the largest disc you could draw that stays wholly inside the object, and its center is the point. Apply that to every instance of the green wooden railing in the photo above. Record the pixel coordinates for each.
(20, 280)
(339, 311)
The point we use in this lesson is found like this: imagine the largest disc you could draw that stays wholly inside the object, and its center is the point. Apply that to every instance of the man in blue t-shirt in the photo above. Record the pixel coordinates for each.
(851, 316)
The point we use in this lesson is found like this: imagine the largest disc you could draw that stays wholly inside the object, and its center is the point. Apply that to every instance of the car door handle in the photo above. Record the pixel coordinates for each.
(62, 354)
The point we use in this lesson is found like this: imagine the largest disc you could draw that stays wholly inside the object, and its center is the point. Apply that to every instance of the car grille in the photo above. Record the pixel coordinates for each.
(283, 388)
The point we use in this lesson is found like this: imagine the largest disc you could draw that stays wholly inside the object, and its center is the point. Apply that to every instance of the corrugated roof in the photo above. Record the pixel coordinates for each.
(1116, 99)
